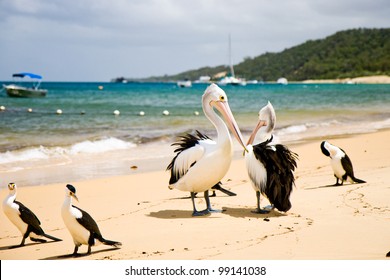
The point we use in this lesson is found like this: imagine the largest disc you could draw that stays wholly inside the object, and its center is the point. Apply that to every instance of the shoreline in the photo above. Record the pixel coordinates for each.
(380, 79)
(124, 162)
(325, 223)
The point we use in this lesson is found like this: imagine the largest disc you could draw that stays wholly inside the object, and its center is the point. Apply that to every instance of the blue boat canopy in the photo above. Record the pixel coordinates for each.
(23, 74)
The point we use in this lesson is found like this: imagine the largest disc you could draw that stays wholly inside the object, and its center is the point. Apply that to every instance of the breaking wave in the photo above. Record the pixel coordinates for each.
(84, 147)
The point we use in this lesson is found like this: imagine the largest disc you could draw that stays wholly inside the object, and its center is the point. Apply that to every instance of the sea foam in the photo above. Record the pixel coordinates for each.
(84, 147)
(100, 146)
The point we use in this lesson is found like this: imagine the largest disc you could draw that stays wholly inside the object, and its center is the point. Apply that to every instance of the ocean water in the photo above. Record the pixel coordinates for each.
(87, 140)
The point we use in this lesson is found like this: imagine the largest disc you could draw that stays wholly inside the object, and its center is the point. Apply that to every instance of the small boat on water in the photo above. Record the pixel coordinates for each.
(282, 81)
(184, 83)
(231, 79)
(18, 90)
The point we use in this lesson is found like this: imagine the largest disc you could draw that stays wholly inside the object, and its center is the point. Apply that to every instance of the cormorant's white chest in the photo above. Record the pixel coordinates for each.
(11, 210)
(69, 214)
(337, 167)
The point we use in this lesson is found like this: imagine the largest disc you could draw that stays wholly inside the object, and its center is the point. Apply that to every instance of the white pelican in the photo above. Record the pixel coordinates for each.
(23, 218)
(81, 225)
(270, 166)
(341, 164)
(200, 163)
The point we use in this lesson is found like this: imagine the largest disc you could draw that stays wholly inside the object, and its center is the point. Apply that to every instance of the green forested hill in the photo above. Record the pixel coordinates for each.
(350, 53)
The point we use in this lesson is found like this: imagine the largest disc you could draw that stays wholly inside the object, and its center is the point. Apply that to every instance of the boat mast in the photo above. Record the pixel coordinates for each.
(230, 57)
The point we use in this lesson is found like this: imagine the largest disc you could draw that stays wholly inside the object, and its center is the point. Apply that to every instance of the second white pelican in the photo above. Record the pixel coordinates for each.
(270, 166)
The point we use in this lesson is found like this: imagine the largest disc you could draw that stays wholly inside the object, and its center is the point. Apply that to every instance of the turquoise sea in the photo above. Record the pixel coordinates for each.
(88, 140)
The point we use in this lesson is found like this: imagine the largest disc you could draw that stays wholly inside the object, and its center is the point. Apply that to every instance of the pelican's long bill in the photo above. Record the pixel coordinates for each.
(224, 109)
(253, 135)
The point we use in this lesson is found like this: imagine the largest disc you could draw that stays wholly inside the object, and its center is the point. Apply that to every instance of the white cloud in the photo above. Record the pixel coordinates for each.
(98, 39)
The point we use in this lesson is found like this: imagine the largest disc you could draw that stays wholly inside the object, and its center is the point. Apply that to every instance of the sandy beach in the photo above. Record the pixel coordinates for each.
(379, 79)
(325, 223)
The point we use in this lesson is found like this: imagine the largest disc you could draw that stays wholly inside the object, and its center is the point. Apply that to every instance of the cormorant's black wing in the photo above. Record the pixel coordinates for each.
(185, 142)
(29, 218)
(347, 165)
(88, 222)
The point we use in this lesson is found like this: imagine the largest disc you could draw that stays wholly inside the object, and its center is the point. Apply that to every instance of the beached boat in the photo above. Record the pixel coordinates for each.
(17, 90)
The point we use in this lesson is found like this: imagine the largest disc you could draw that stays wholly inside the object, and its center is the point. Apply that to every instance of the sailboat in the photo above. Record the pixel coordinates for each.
(231, 79)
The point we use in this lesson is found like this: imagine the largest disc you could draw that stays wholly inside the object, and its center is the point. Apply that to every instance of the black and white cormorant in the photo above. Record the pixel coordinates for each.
(200, 163)
(270, 165)
(81, 225)
(23, 218)
(341, 164)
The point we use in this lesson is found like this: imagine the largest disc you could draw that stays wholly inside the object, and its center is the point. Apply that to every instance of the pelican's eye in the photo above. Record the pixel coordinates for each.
(222, 98)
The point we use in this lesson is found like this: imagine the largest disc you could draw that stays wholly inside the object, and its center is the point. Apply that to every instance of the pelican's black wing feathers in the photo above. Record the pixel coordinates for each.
(280, 164)
(185, 142)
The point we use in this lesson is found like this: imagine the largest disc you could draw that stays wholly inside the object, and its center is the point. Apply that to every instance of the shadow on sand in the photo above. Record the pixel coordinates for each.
(321, 187)
(176, 214)
(25, 245)
(247, 213)
(71, 256)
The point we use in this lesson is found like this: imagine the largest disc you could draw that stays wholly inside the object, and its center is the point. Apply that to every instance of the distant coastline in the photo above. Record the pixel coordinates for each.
(378, 79)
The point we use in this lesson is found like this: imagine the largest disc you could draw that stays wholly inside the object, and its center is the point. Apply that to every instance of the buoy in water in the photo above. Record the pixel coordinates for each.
(166, 113)
(59, 112)
(82, 113)
(29, 110)
(117, 113)
(2, 108)
(196, 113)
(100, 87)
(141, 113)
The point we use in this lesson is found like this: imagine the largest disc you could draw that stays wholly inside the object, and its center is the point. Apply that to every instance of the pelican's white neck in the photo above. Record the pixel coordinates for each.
(219, 124)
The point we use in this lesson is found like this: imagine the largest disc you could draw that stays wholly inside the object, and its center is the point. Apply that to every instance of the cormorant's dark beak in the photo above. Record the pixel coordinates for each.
(75, 196)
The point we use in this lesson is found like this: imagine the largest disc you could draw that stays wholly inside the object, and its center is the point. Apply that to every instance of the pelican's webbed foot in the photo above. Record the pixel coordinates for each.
(200, 213)
(209, 208)
(260, 211)
(195, 212)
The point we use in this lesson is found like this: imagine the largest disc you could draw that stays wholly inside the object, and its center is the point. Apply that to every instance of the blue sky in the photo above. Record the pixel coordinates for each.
(96, 40)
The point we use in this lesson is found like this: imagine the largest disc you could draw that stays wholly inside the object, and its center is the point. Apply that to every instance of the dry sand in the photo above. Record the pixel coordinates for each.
(153, 222)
